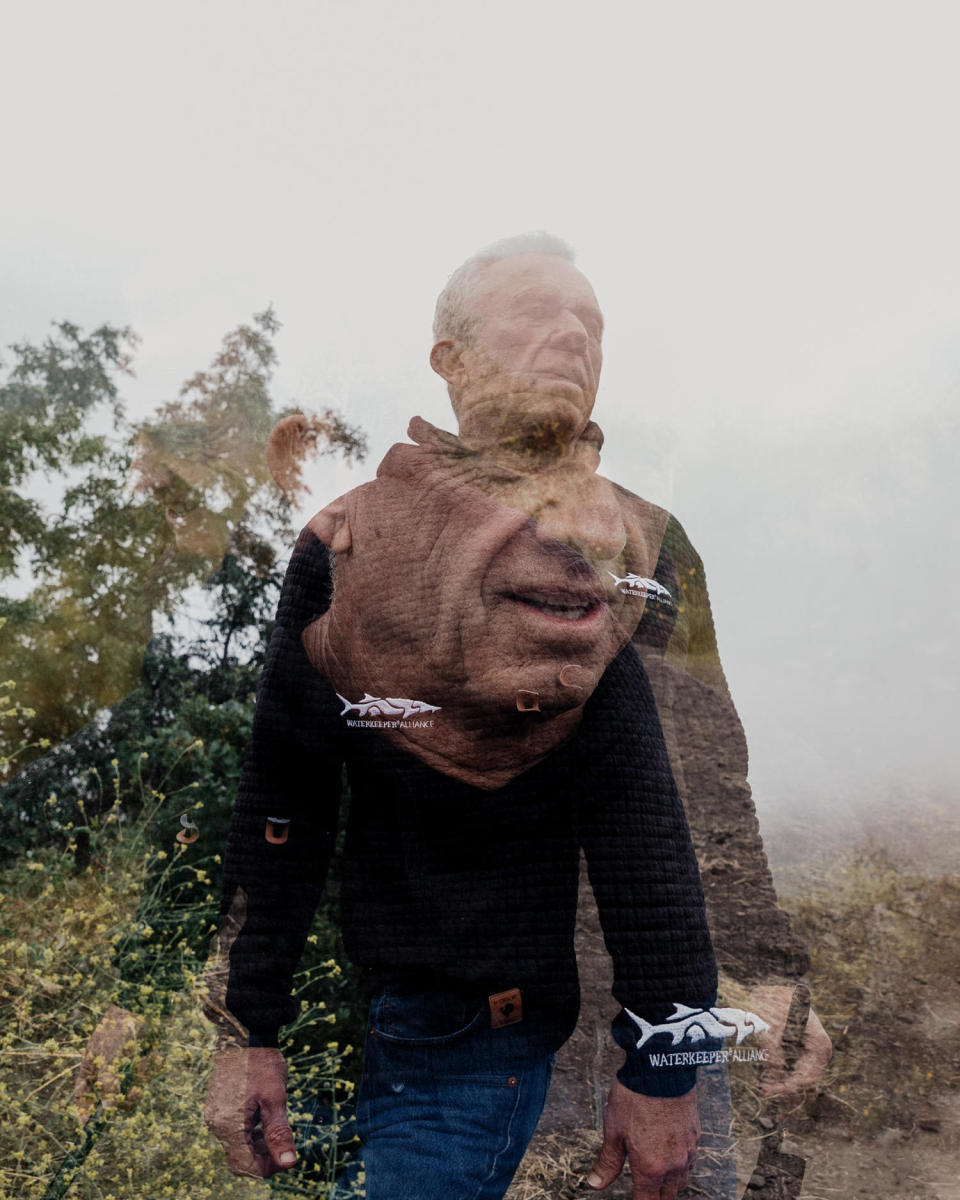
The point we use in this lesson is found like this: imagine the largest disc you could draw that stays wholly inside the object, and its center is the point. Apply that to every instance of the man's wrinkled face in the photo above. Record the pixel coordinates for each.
(544, 613)
(465, 599)
(534, 348)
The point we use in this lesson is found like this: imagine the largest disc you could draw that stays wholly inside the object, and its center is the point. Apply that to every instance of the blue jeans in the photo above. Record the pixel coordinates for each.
(447, 1104)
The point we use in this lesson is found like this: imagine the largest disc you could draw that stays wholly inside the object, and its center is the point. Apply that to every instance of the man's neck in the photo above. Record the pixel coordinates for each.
(549, 415)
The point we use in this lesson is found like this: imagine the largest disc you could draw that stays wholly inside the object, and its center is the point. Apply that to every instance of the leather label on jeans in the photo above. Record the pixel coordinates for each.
(506, 1008)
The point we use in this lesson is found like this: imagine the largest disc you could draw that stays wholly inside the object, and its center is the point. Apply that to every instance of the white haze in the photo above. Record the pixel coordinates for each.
(764, 196)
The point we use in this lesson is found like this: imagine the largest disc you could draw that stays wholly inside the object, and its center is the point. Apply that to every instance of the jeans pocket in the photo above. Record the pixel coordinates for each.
(425, 1018)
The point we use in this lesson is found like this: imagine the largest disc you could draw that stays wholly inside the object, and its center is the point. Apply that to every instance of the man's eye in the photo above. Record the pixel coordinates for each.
(502, 476)
(539, 311)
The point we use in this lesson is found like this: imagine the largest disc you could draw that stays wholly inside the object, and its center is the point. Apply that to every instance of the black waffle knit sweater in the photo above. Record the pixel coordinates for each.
(450, 886)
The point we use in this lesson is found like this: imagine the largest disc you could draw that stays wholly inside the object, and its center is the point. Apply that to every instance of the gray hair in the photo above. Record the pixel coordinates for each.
(451, 319)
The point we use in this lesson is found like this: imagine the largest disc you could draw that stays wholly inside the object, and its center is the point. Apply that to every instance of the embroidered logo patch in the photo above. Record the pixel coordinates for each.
(386, 712)
(694, 1025)
(638, 585)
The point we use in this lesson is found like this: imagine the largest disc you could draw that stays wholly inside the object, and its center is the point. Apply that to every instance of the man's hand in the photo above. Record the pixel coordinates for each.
(114, 1039)
(773, 1004)
(658, 1136)
(247, 1110)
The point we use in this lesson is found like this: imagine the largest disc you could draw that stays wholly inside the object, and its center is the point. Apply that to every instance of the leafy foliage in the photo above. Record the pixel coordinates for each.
(46, 406)
(117, 736)
(141, 514)
(68, 938)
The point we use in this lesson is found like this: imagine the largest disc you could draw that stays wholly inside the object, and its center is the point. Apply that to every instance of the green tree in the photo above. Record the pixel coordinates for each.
(148, 729)
(48, 404)
(145, 511)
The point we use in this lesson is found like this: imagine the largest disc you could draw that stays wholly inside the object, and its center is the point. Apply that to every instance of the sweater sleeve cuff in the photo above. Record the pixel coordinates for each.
(639, 1075)
(659, 1067)
(263, 1037)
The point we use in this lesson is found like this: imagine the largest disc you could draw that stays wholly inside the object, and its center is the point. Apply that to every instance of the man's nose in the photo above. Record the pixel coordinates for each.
(587, 519)
(570, 333)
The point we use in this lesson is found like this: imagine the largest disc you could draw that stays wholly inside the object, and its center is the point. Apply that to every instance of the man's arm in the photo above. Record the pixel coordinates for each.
(752, 935)
(644, 876)
(281, 838)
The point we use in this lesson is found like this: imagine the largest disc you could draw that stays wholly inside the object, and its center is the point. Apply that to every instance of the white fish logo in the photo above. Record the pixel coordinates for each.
(695, 1024)
(641, 584)
(395, 707)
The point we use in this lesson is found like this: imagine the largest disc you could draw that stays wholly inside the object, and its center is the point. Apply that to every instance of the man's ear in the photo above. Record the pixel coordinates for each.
(312, 641)
(446, 359)
(286, 447)
(332, 527)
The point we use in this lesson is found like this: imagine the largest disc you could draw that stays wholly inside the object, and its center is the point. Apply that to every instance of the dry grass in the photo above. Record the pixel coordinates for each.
(886, 985)
(62, 932)
(555, 1166)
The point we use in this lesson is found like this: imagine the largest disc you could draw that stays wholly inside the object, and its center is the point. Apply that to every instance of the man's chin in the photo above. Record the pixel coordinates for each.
(525, 409)
(547, 689)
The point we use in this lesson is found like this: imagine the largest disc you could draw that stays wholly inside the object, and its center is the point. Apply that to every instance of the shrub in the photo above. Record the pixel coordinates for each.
(143, 909)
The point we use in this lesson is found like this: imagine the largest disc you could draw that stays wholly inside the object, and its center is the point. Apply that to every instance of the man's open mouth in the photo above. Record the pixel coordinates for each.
(562, 608)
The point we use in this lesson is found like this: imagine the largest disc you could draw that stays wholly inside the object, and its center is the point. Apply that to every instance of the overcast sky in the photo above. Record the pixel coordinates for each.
(765, 197)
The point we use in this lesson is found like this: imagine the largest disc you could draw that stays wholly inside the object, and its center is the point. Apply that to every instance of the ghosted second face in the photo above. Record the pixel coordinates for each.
(534, 354)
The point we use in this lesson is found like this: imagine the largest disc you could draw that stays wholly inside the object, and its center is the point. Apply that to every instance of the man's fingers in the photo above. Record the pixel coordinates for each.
(608, 1165)
(663, 1189)
(95, 1079)
(803, 1079)
(277, 1133)
(261, 1152)
(82, 1081)
(790, 1085)
(646, 1191)
(668, 1189)
(109, 1087)
(83, 1092)
(230, 1129)
(656, 1183)
(776, 1005)
(227, 1123)
(240, 1159)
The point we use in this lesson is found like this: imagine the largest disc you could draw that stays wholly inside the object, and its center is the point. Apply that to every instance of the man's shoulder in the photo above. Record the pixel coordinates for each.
(308, 584)
(632, 499)
(674, 539)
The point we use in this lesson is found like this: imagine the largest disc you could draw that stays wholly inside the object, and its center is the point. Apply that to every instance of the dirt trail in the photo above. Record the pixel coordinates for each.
(886, 980)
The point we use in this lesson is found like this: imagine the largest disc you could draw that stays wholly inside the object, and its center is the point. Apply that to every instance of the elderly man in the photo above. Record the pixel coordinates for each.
(471, 664)
(518, 339)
